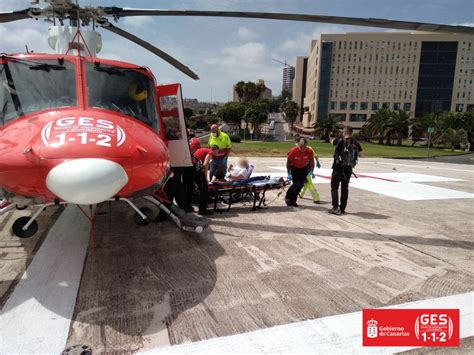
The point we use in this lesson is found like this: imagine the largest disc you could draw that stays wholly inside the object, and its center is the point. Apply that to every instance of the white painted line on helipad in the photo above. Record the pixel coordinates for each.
(37, 316)
(404, 186)
(341, 334)
(428, 166)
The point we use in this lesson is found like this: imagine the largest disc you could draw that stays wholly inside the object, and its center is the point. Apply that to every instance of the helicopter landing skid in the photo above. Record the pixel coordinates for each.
(194, 229)
(6, 206)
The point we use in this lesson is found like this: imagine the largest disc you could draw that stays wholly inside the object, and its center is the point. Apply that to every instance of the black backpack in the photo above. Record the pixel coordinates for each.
(348, 153)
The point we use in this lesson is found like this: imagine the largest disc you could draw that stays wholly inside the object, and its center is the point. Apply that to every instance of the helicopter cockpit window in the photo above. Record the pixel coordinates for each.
(28, 86)
(122, 90)
(170, 114)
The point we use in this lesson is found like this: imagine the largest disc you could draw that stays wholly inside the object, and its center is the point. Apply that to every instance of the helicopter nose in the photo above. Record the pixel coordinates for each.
(86, 181)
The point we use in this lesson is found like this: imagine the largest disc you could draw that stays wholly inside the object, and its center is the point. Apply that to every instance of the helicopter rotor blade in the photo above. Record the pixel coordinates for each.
(352, 21)
(11, 16)
(165, 56)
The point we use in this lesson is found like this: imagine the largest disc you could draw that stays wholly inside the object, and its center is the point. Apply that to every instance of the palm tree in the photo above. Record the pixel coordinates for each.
(240, 89)
(421, 124)
(399, 125)
(255, 114)
(291, 110)
(377, 124)
(249, 91)
(454, 137)
(468, 118)
(327, 126)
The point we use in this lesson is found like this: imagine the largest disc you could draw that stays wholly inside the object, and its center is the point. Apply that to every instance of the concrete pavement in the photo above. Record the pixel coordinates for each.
(145, 288)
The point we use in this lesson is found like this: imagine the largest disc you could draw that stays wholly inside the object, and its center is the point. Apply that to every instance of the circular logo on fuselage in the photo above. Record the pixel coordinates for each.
(84, 130)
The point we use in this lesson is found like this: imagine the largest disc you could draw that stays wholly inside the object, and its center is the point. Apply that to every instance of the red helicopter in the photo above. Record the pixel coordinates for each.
(76, 129)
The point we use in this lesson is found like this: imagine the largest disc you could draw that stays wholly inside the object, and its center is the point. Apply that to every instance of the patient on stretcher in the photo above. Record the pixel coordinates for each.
(239, 172)
(242, 171)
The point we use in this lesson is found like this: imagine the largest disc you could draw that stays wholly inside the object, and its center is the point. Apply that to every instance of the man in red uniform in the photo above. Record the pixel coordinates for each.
(299, 164)
(201, 167)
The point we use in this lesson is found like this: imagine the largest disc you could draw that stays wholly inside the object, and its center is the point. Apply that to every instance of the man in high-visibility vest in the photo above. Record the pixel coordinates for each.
(218, 166)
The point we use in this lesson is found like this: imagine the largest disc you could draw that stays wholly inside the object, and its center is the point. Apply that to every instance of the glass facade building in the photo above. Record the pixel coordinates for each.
(436, 77)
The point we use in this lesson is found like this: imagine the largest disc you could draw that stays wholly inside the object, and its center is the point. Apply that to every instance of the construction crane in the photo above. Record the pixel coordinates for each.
(279, 61)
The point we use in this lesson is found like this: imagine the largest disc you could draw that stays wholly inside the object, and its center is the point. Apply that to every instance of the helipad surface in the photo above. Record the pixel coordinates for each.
(279, 273)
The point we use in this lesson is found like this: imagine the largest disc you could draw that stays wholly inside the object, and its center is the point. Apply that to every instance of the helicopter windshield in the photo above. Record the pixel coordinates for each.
(29, 86)
(122, 90)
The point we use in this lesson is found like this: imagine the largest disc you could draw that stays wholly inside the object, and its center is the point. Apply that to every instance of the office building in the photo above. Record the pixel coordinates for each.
(351, 75)
(299, 85)
(288, 77)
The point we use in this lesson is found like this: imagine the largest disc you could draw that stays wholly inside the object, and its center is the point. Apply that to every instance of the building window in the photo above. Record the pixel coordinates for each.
(343, 105)
(354, 105)
(386, 105)
(338, 117)
(459, 107)
(407, 106)
(357, 117)
(396, 105)
(364, 106)
(332, 105)
(375, 106)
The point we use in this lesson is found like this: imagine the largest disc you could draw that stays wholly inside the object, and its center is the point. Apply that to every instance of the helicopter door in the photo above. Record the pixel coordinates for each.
(171, 106)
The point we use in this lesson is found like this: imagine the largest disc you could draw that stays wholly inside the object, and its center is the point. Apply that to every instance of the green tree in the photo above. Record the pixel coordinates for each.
(291, 110)
(421, 124)
(240, 89)
(326, 126)
(468, 119)
(377, 124)
(398, 125)
(232, 113)
(450, 120)
(453, 137)
(285, 96)
(273, 104)
(188, 112)
(249, 91)
(255, 114)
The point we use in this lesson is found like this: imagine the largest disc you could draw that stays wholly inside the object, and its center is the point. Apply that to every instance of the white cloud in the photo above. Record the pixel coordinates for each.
(249, 61)
(16, 35)
(245, 33)
(245, 56)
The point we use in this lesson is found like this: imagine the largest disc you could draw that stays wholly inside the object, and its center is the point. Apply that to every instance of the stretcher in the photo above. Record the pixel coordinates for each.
(252, 190)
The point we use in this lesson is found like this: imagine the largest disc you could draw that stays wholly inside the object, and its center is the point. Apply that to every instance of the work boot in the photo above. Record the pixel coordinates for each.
(291, 203)
(335, 211)
(188, 209)
(205, 212)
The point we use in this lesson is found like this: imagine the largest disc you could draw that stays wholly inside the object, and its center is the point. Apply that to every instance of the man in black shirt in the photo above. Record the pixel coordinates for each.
(345, 159)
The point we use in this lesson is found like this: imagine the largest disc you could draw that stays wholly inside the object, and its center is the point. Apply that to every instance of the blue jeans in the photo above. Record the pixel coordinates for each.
(218, 168)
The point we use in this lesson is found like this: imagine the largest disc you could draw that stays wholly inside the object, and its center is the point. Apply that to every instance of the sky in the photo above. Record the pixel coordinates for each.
(223, 51)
